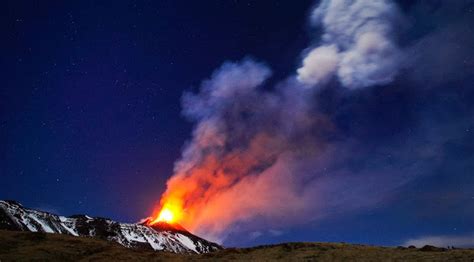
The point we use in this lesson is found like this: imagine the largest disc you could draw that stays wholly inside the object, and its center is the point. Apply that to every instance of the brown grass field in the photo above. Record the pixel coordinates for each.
(25, 246)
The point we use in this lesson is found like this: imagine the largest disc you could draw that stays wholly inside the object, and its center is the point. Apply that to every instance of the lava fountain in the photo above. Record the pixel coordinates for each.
(168, 213)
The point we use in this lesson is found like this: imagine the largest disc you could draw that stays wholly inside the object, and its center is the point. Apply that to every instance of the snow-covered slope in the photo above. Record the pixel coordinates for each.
(163, 237)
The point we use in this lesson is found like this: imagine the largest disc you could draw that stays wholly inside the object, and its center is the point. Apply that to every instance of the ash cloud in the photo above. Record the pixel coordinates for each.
(238, 164)
(357, 44)
(265, 156)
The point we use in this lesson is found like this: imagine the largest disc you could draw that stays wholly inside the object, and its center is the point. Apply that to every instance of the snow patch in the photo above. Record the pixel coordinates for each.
(45, 227)
(187, 242)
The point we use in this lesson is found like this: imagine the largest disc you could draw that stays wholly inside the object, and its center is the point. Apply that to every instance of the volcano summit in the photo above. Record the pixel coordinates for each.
(161, 236)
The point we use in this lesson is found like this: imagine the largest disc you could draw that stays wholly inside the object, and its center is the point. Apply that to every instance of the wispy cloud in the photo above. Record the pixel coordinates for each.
(442, 241)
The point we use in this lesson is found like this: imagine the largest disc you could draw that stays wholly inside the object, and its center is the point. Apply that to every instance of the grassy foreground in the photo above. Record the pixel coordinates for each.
(25, 246)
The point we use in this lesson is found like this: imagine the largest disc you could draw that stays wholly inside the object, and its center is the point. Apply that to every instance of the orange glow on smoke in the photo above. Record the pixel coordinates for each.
(202, 194)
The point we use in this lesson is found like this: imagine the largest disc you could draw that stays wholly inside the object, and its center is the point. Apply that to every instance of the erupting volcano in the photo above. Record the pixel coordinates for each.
(167, 214)
(262, 151)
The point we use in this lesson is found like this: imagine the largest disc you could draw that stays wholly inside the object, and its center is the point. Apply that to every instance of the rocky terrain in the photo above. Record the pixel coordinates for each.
(27, 246)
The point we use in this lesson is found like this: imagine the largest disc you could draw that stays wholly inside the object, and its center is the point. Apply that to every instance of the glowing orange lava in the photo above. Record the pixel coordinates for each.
(168, 214)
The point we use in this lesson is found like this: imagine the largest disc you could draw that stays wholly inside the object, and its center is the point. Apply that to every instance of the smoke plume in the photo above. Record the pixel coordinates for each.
(246, 140)
(288, 154)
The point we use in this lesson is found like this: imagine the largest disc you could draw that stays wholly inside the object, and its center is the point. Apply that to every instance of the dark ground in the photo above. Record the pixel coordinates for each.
(26, 246)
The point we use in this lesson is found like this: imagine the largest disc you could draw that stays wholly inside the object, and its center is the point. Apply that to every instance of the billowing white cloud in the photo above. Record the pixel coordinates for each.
(373, 60)
(319, 65)
(357, 44)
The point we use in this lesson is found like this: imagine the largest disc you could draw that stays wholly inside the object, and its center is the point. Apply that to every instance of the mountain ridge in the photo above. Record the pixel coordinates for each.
(160, 237)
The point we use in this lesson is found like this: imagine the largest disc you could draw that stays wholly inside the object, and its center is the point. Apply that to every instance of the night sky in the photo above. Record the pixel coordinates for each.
(90, 108)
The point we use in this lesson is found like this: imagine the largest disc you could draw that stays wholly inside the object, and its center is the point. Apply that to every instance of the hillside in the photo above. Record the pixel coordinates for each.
(25, 246)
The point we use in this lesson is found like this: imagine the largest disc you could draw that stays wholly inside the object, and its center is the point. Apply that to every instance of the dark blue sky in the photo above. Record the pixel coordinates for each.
(90, 107)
